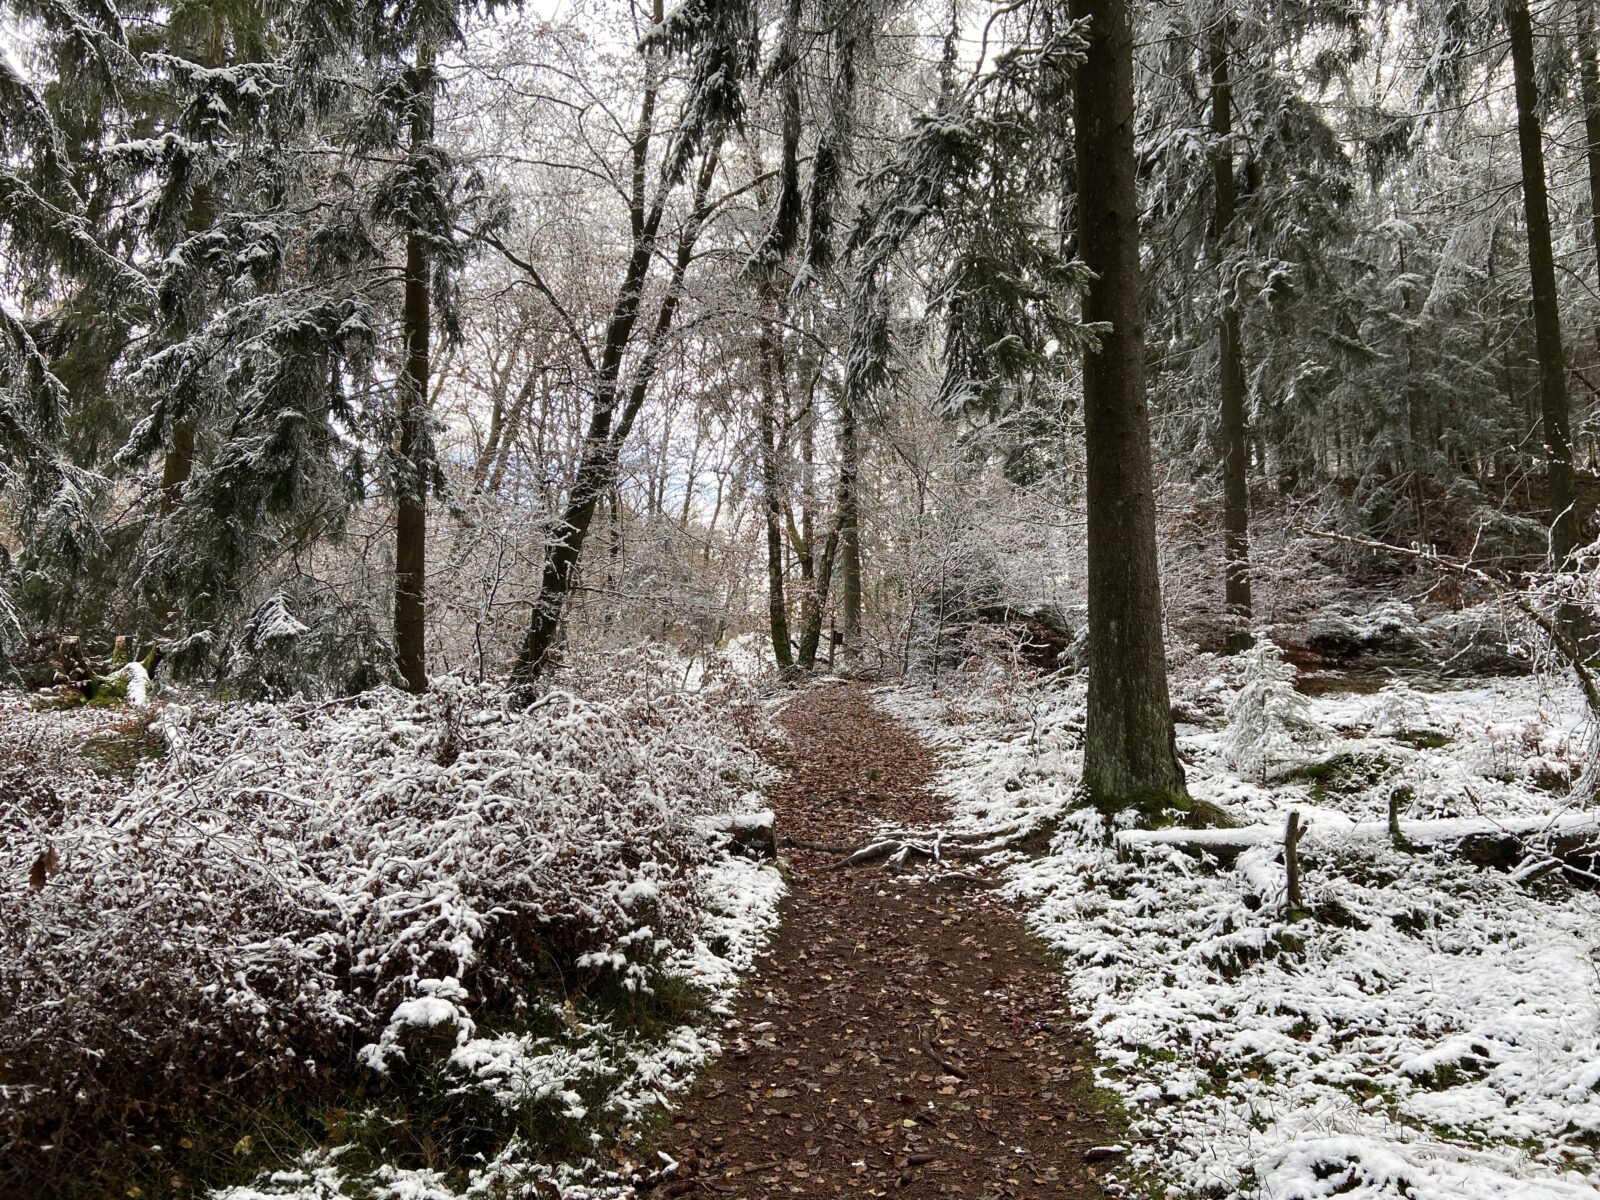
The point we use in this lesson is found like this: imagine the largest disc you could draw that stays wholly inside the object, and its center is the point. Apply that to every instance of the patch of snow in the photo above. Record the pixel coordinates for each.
(1434, 1032)
(372, 853)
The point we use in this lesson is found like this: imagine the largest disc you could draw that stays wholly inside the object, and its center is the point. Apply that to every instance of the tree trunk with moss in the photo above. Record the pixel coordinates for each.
(1129, 752)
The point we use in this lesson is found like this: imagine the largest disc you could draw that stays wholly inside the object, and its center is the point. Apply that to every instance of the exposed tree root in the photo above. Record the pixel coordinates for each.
(794, 843)
(903, 850)
(906, 849)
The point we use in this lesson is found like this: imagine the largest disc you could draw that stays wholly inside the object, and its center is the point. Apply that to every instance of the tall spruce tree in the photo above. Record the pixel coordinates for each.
(1554, 407)
(1129, 756)
(64, 277)
(294, 378)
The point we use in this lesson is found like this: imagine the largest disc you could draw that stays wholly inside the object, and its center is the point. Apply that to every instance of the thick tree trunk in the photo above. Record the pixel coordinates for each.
(1415, 406)
(816, 601)
(596, 474)
(1230, 368)
(411, 492)
(777, 603)
(177, 465)
(804, 546)
(1546, 310)
(1129, 752)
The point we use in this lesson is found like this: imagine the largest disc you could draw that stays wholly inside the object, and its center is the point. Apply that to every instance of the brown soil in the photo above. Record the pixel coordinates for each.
(903, 1035)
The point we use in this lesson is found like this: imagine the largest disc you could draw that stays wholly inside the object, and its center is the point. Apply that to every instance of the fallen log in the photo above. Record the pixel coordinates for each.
(1573, 838)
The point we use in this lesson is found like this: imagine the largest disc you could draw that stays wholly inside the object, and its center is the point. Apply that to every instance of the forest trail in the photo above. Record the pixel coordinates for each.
(903, 1035)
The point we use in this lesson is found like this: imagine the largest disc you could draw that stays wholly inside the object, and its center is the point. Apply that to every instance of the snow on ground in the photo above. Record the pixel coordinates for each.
(635, 1076)
(289, 879)
(1431, 1032)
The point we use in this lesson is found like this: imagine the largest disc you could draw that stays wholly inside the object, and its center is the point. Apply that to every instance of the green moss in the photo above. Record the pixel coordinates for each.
(1155, 808)
(120, 753)
(111, 693)
(1423, 739)
(1349, 773)
(1466, 1069)
(419, 1116)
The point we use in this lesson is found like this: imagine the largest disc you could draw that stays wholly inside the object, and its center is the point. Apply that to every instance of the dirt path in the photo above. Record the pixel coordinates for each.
(902, 1036)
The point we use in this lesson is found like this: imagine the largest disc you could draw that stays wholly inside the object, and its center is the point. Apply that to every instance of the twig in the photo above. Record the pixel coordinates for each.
(925, 1044)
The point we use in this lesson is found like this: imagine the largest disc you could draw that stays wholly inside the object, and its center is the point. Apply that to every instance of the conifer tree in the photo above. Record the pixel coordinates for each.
(62, 242)
(1129, 753)
(1267, 718)
(1555, 410)
(306, 317)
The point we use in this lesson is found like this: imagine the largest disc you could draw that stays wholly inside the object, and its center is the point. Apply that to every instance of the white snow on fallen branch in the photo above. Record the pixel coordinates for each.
(138, 682)
(1331, 827)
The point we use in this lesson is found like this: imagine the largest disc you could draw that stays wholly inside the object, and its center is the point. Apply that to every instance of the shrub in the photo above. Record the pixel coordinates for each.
(254, 909)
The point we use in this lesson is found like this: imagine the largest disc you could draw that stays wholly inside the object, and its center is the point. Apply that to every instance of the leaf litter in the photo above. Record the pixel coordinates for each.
(903, 1033)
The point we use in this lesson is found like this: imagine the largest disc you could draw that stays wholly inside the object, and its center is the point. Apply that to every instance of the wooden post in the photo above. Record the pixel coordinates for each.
(1291, 865)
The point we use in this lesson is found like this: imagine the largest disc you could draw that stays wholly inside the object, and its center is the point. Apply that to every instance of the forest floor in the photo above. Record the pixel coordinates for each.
(903, 1034)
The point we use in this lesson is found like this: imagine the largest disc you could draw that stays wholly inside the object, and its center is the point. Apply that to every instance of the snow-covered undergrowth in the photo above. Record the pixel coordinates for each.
(513, 911)
(1430, 1031)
